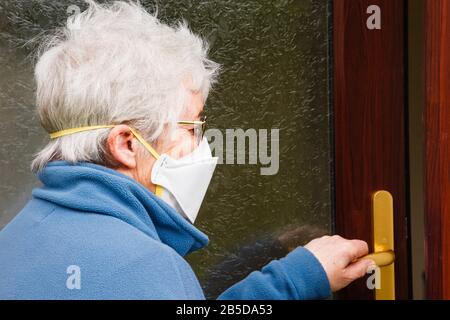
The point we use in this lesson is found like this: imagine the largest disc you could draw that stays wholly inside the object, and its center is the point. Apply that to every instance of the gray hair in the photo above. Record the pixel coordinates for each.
(115, 63)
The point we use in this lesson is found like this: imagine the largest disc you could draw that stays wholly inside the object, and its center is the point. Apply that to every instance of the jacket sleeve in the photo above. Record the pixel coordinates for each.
(297, 276)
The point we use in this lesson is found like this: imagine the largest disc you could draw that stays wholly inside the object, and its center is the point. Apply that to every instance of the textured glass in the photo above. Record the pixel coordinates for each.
(275, 76)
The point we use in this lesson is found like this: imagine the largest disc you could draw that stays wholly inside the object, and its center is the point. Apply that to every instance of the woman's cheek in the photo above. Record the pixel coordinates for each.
(186, 146)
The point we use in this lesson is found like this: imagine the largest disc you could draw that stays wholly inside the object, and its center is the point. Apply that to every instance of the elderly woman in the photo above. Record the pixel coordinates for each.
(126, 169)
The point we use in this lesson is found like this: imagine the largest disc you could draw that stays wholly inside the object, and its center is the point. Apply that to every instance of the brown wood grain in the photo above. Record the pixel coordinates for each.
(369, 103)
(437, 157)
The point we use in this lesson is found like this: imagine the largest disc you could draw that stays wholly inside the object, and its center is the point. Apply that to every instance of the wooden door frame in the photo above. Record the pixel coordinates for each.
(437, 148)
(370, 123)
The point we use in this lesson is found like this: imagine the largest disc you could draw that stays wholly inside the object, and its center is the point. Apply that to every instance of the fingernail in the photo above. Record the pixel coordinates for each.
(371, 264)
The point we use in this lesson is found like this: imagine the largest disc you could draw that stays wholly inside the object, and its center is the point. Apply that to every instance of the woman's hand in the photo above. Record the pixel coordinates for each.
(338, 257)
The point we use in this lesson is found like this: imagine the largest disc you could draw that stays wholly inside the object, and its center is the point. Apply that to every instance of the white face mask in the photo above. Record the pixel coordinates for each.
(183, 182)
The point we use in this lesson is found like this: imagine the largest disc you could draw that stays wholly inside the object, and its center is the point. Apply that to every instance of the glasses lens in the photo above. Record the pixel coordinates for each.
(203, 126)
(199, 127)
(199, 132)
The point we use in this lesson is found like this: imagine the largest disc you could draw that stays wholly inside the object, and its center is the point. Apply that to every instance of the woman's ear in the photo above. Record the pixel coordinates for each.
(122, 146)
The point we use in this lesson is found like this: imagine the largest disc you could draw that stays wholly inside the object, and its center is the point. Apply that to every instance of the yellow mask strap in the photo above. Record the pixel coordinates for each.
(145, 144)
(158, 191)
(67, 132)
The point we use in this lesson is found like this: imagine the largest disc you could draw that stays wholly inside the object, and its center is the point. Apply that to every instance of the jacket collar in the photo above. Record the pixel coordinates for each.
(93, 188)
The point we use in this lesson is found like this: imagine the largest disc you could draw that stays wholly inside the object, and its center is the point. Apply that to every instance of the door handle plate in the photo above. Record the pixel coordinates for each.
(383, 243)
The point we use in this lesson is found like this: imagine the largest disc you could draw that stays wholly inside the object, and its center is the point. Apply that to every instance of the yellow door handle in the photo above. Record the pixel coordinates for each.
(381, 259)
(383, 243)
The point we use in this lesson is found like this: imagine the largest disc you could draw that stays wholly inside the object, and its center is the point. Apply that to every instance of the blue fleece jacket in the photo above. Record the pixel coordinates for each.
(92, 233)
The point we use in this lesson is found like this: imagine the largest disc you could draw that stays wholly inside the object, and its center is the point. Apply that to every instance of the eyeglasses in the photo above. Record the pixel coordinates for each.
(198, 126)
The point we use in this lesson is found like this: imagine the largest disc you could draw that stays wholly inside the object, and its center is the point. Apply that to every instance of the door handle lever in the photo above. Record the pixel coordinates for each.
(381, 259)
